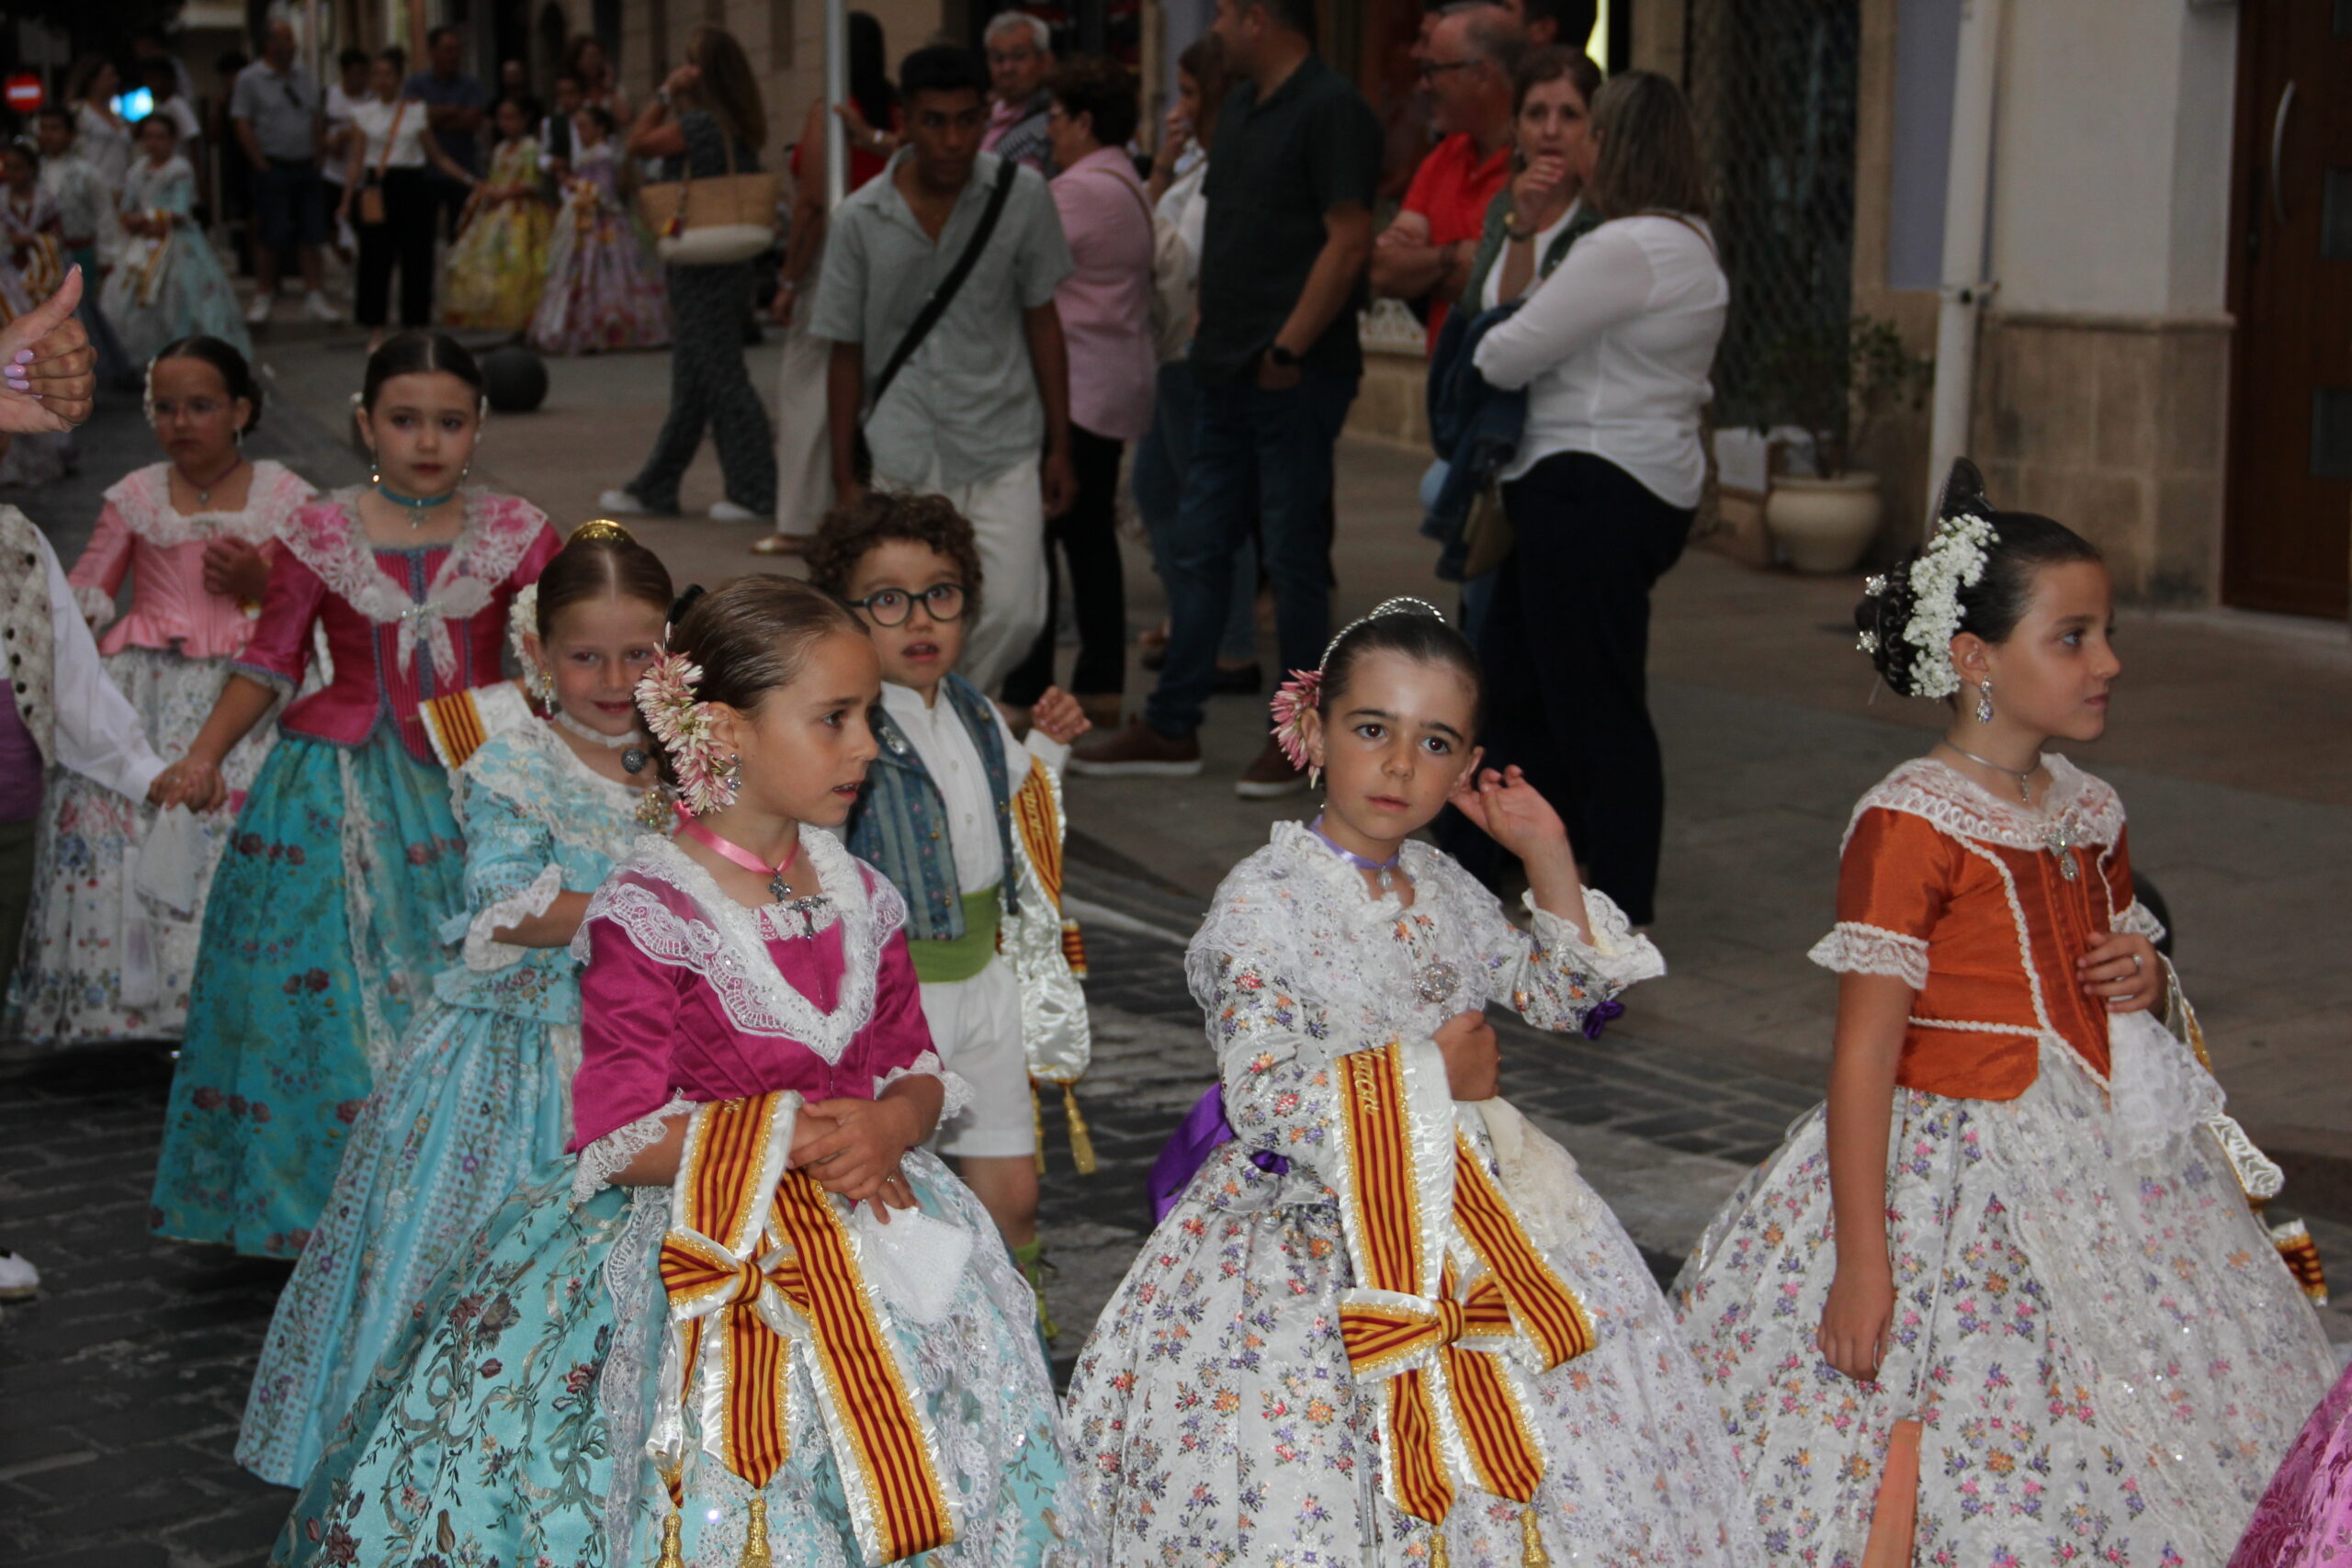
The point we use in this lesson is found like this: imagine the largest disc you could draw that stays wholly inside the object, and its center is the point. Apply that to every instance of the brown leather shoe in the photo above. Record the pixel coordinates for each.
(1101, 710)
(1269, 776)
(1136, 751)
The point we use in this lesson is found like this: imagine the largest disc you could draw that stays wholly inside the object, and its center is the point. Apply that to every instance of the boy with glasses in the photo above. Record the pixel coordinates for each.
(966, 824)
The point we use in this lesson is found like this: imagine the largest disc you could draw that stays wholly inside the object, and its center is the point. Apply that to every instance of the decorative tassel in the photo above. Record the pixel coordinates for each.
(1530, 1541)
(755, 1536)
(1074, 948)
(1437, 1545)
(1081, 1142)
(673, 1554)
(1037, 1123)
(1030, 1259)
(2300, 1254)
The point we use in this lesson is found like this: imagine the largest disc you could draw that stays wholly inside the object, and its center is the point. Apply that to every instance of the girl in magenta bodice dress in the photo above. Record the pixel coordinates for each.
(546, 1402)
(324, 921)
(111, 947)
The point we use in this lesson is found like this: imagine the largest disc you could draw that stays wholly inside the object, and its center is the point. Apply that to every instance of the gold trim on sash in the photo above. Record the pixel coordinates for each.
(454, 724)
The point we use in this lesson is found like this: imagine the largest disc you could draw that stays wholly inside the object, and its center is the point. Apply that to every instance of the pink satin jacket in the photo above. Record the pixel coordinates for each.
(138, 533)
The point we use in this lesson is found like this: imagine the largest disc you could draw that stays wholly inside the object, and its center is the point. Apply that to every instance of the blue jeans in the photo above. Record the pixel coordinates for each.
(1162, 457)
(1262, 456)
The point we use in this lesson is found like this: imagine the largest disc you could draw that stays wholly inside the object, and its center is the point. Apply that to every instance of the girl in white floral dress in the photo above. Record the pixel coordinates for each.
(1387, 1323)
(2002, 1300)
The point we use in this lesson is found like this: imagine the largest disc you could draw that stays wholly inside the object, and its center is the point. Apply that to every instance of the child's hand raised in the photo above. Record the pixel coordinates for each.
(1058, 716)
(1510, 810)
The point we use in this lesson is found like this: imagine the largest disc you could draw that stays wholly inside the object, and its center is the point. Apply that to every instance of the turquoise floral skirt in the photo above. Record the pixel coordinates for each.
(507, 1423)
(473, 1104)
(321, 935)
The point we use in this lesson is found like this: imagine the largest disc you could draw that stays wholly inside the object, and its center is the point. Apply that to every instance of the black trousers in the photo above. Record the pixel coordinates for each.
(1566, 652)
(1089, 537)
(710, 389)
(404, 238)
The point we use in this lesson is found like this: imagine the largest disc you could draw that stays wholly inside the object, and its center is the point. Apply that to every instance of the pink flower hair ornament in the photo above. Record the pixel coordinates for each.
(665, 696)
(1297, 697)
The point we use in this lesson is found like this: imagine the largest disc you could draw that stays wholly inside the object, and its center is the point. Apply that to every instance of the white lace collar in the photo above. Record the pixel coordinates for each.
(617, 794)
(332, 541)
(142, 498)
(1935, 790)
(577, 806)
(1303, 851)
(726, 944)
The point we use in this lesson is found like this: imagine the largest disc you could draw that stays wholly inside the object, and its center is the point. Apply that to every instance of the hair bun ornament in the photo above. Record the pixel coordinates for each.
(604, 528)
(522, 621)
(1293, 700)
(1917, 609)
(665, 696)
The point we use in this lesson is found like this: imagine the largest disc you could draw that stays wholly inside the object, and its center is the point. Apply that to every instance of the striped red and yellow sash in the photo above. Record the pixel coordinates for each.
(1446, 1384)
(452, 723)
(758, 1259)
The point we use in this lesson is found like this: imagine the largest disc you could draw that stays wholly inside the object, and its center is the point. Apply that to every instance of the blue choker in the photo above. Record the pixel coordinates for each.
(413, 503)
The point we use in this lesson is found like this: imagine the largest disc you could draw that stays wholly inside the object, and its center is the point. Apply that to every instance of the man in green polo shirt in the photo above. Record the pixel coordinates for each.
(1289, 191)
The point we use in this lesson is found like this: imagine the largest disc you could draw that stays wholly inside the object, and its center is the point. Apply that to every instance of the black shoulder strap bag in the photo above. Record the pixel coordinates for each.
(1007, 170)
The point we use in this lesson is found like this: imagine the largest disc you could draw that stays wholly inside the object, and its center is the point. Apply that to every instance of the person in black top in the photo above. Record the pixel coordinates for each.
(1290, 186)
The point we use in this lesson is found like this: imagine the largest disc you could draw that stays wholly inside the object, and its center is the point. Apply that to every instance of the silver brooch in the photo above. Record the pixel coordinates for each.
(1436, 982)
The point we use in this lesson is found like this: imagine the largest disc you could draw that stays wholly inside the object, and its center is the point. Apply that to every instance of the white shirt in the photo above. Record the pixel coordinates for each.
(98, 734)
(339, 106)
(373, 118)
(953, 762)
(1492, 291)
(1183, 207)
(1614, 351)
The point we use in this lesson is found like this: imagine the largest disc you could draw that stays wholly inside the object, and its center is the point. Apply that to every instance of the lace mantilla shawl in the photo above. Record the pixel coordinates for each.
(1305, 914)
(143, 499)
(329, 538)
(725, 944)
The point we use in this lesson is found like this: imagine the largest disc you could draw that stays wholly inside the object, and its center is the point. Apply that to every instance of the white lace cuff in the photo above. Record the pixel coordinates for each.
(1852, 948)
(484, 951)
(2139, 920)
(1605, 945)
(928, 1066)
(611, 1154)
(95, 603)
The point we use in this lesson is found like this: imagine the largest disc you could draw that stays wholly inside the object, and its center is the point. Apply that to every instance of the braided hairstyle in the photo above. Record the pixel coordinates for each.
(2023, 543)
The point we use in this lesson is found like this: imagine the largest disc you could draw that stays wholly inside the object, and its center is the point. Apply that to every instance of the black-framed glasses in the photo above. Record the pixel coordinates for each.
(891, 606)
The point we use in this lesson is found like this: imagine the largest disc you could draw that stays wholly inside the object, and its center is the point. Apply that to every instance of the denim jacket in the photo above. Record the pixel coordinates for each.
(899, 825)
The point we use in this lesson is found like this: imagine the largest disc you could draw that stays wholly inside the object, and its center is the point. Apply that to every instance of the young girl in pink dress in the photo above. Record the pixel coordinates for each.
(809, 1351)
(104, 959)
(323, 926)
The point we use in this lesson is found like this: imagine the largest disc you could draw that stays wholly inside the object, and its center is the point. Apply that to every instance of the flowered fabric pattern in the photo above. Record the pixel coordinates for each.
(508, 1421)
(2105, 1354)
(604, 289)
(323, 928)
(101, 960)
(171, 286)
(2305, 1518)
(499, 263)
(476, 1099)
(1214, 1411)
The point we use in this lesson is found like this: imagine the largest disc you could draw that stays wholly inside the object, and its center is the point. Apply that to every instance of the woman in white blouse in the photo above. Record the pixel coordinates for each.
(1614, 350)
(392, 144)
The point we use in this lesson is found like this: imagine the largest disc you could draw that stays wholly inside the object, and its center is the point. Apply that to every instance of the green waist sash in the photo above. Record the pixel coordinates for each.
(969, 954)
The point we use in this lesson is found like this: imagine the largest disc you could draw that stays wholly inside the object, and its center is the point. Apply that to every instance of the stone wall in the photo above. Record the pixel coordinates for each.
(2117, 426)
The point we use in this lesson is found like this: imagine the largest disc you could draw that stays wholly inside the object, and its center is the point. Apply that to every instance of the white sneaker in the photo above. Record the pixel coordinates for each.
(728, 512)
(19, 1280)
(257, 313)
(620, 503)
(319, 308)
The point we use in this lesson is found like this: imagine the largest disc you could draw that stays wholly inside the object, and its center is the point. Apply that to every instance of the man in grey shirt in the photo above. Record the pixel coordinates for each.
(277, 110)
(968, 412)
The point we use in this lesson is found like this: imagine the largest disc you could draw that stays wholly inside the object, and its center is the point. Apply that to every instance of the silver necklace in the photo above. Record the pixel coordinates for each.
(2025, 779)
(631, 746)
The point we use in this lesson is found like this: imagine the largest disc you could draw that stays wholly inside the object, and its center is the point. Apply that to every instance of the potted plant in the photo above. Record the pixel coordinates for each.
(1836, 385)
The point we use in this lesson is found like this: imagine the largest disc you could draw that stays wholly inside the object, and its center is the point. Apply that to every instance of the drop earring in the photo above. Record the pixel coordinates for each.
(543, 682)
(1984, 701)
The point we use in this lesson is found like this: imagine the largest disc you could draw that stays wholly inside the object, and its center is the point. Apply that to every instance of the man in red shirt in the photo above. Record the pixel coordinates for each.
(1425, 254)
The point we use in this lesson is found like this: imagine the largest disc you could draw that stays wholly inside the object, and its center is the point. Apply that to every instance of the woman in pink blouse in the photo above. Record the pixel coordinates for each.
(1105, 307)
(327, 913)
(751, 956)
(120, 892)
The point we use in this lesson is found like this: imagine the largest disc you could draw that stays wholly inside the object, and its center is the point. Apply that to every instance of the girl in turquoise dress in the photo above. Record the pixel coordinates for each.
(167, 285)
(547, 1403)
(480, 1091)
(322, 934)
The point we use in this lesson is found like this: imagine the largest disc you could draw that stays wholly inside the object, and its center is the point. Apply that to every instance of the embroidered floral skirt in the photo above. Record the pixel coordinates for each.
(604, 290)
(471, 1105)
(2107, 1359)
(2305, 1519)
(320, 936)
(1214, 1418)
(506, 1424)
(101, 960)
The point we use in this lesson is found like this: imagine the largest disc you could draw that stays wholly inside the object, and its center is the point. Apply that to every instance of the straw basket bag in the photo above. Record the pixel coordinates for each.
(713, 221)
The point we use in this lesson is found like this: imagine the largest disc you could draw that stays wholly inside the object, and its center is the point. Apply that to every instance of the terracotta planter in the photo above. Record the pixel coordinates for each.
(1824, 526)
